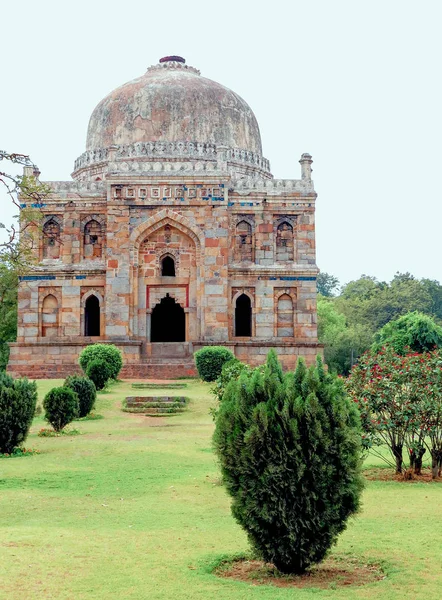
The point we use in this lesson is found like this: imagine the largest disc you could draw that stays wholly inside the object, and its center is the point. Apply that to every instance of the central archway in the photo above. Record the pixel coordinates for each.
(168, 322)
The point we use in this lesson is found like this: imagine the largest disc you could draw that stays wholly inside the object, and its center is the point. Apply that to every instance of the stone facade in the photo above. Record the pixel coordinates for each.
(162, 246)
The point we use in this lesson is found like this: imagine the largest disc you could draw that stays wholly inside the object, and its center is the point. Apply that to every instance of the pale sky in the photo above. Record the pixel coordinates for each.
(356, 84)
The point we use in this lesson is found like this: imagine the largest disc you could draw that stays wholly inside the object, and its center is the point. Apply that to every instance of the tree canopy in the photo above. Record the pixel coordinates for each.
(348, 324)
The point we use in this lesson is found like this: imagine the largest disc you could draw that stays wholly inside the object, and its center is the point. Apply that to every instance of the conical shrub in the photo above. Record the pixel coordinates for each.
(289, 448)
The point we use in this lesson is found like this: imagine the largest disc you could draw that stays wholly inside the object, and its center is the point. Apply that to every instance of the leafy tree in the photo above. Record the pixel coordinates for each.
(289, 448)
(400, 401)
(415, 331)
(369, 302)
(326, 284)
(434, 290)
(343, 344)
(18, 399)
(61, 407)
(8, 311)
(27, 194)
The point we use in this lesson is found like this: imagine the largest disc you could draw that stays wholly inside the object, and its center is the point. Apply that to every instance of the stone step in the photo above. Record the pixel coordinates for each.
(164, 369)
(140, 402)
(170, 411)
(171, 349)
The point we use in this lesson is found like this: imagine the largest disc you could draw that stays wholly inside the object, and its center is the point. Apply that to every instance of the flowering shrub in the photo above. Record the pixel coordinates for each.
(17, 452)
(400, 401)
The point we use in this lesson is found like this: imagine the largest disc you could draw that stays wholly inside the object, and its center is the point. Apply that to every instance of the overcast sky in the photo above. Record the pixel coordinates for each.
(356, 84)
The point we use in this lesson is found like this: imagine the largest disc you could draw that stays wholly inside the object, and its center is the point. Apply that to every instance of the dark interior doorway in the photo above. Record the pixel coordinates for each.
(92, 316)
(243, 316)
(168, 267)
(168, 322)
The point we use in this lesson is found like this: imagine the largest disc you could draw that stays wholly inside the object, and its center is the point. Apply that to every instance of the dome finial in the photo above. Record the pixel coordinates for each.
(179, 59)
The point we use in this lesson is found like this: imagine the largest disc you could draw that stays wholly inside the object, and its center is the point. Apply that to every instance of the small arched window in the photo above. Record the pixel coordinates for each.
(284, 242)
(243, 316)
(51, 239)
(243, 251)
(92, 240)
(92, 316)
(49, 316)
(168, 267)
(284, 316)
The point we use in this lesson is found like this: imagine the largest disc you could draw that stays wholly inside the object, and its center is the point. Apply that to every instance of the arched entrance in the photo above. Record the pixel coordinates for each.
(243, 316)
(168, 322)
(92, 316)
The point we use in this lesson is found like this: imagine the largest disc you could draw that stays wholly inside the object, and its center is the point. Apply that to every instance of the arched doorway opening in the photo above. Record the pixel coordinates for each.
(243, 316)
(92, 316)
(168, 322)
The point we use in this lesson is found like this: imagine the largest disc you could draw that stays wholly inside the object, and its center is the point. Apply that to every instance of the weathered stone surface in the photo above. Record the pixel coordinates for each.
(240, 244)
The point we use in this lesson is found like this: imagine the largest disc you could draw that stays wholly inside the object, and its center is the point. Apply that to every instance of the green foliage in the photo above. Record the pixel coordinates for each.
(373, 303)
(105, 352)
(415, 331)
(210, 360)
(290, 455)
(61, 407)
(86, 392)
(400, 401)
(231, 370)
(18, 399)
(99, 372)
(8, 311)
(326, 284)
(342, 343)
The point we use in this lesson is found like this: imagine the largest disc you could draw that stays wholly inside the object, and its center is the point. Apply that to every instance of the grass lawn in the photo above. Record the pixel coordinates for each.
(133, 509)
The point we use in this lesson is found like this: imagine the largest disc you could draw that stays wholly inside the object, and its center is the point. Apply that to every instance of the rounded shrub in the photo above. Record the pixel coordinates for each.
(106, 352)
(61, 407)
(231, 370)
(18, 400)
(99, 372)
(290, 454)
(210, 360)
(86, 391)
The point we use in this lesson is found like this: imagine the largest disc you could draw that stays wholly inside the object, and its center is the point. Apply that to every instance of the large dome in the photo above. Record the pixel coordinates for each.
(173, 103)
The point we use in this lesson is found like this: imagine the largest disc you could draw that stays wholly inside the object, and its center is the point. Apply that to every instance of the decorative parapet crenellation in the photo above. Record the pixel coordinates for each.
(110, 158)
(91, 157)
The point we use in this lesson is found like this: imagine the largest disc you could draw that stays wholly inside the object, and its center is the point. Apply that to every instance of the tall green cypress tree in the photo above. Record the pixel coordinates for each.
(289, 449)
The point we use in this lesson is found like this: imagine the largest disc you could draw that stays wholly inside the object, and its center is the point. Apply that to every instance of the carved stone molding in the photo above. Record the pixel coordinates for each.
(117, 158)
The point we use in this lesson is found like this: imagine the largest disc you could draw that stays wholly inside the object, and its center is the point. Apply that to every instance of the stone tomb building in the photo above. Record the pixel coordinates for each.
(172, 235)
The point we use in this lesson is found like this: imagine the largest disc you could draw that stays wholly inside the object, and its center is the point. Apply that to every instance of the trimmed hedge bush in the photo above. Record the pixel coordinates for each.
(210, 360)
(61, 407)
(85, 390)
(99, 372)
(18, 399)
(290, 454)
(106, 352)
